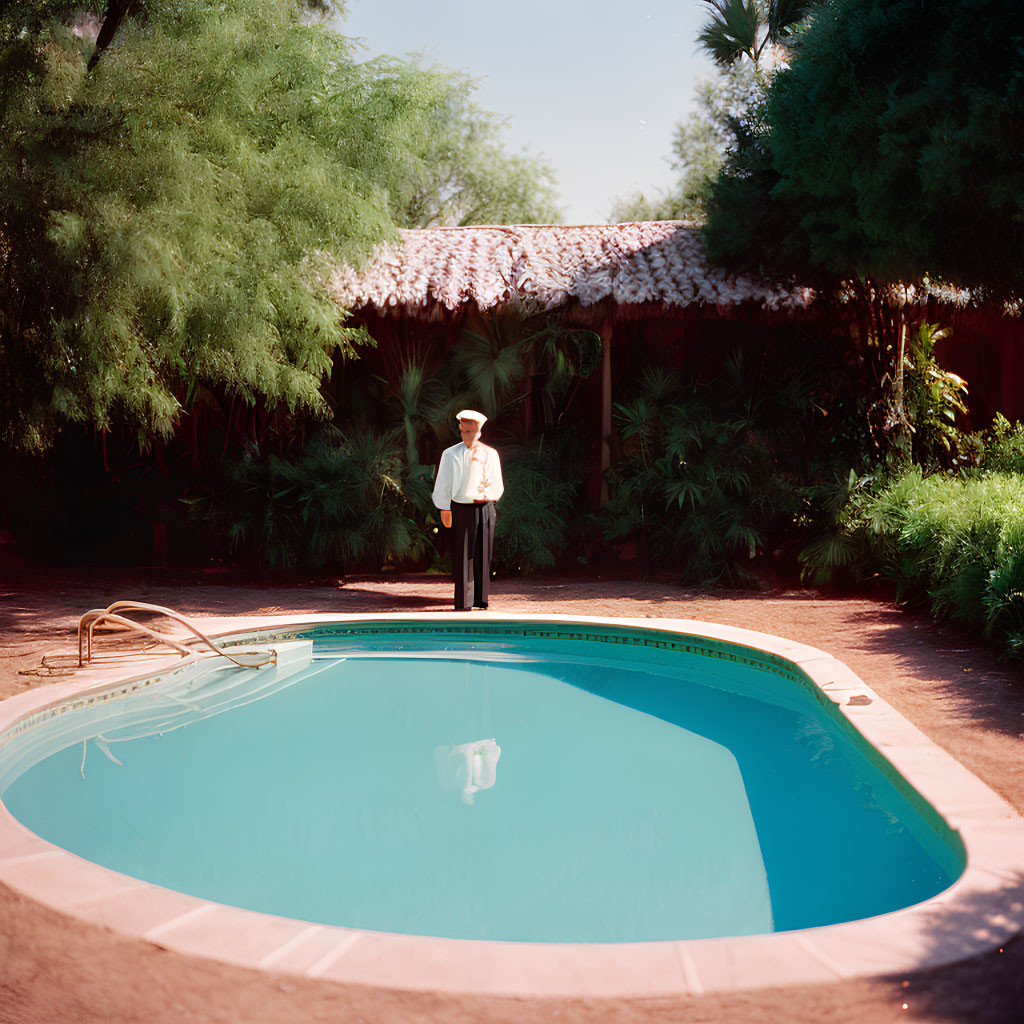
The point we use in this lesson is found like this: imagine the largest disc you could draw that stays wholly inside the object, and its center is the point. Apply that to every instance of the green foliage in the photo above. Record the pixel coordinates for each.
(164, 215)
(829, 550)
(489, 363)
(786, 18)
(747, 228)
(934, 396)
(892, 151)
(541, 484)
(559, 360)
(735, 29)
(420, 401)
(917, 411)
(702, 480)
(340, 505)
(738, 29)
(659, 204)
(1002, 448)
(517, 367)
(362, 497)
(957, 542)
(159, 214)
(912, 423)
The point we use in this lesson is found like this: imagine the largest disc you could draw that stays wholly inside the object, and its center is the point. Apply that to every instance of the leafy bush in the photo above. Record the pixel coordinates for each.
(341, 504)
(957, 542)
(707, 477)
(1002, 447)
(541, 482)
(934, 396)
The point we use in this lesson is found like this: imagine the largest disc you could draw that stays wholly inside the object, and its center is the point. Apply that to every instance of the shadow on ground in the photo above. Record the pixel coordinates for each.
(954, 669)
(951, 993)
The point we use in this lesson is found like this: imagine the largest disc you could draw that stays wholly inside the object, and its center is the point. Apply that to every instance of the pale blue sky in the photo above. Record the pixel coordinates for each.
(594, 86)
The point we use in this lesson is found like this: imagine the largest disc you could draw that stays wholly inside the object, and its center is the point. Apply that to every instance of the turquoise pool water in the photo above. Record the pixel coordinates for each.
(538, 785)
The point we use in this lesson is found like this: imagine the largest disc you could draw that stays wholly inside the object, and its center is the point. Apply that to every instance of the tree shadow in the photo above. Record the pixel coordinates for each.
(955, 668)
(984, 989)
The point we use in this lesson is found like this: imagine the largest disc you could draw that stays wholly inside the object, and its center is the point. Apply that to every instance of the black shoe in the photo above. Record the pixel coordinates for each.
(481, 607)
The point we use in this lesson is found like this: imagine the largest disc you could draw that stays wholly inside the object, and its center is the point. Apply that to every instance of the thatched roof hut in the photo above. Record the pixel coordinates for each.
(605, 270)
(592, 275)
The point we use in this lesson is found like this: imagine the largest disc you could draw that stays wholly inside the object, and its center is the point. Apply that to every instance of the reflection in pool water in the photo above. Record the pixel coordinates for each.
(467, 767)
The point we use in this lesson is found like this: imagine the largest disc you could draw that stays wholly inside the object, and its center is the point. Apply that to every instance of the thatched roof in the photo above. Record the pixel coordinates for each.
(547, 267)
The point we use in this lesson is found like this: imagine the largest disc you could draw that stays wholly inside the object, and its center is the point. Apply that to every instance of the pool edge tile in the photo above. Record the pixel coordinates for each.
(755, 961)
(512, 969)
(233, 935)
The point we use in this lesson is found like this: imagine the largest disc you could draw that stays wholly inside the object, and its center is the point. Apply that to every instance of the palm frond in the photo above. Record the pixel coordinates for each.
(491, 366)
(734, 29)
(783, 15)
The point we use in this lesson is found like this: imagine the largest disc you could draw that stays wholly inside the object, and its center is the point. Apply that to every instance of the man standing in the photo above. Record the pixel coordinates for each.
(467, 486)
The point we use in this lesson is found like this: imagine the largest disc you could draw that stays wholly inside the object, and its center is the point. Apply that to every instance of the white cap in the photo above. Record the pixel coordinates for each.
(472, 414)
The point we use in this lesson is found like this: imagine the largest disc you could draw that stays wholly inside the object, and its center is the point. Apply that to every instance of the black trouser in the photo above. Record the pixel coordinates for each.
(472, 542)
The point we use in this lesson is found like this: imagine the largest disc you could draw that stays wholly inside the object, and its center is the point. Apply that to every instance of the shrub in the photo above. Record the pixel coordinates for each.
(957, 542)
(341, 504)
(707, 476)
(541, 483)
(1002, 447)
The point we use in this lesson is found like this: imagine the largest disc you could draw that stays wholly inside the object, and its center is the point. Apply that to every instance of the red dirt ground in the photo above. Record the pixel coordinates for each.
(54, 969)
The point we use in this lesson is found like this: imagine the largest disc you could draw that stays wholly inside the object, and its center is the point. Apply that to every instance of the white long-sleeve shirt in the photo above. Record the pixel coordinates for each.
(467, 475)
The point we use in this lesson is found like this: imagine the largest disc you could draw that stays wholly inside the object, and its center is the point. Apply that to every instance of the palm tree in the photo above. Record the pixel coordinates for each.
(742, 28)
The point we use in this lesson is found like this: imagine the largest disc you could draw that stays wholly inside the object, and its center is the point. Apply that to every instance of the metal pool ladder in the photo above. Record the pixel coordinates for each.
(114, 615)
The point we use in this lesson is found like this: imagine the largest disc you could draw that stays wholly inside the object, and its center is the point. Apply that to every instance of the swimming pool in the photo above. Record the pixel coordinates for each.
(537, 784)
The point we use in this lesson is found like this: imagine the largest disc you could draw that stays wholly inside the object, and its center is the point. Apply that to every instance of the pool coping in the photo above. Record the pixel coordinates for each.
(982, 910)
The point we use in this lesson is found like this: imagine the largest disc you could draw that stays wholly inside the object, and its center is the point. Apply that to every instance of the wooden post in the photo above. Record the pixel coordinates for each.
(606, 404)
(904, 438)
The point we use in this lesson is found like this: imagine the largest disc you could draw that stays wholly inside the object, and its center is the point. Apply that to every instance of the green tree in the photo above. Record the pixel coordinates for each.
(164, 209)
(892, 150)
(160, 211)
(707, 479)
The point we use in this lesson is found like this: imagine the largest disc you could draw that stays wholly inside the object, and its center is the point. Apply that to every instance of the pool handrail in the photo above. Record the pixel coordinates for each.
(95, 616)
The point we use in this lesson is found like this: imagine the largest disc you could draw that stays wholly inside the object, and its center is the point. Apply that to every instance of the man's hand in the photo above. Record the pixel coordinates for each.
(446, 517)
